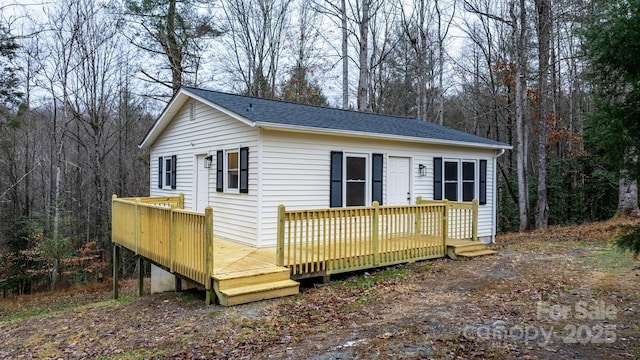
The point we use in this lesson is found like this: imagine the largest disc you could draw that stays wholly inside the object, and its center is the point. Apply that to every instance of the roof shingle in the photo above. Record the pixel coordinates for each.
(299, 115)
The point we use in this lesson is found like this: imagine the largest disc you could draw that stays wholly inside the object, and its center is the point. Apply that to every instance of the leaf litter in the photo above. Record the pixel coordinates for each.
(494, 307)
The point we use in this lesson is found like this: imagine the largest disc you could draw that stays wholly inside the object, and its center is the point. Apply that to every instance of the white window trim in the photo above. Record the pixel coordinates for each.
(476, 177)
(227, 168)
(367, 182)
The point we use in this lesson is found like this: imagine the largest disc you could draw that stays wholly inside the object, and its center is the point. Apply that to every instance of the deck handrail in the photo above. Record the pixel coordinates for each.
(166, 201)
(345, 239)
(159, 230)
(462, 216)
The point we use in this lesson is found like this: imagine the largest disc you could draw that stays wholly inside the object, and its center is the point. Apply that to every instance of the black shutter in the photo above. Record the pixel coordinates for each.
(220, 171)
(483, 182)
(173, 171)
(244, 170)
(160, 172)
(376, 171)
(335, 190)
(437, 178)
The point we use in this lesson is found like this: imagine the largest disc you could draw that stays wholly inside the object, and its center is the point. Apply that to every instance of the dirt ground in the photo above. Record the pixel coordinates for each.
(564, 293)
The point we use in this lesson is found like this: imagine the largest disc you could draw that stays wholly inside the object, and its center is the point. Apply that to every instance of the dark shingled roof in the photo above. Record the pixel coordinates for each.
(298, 115)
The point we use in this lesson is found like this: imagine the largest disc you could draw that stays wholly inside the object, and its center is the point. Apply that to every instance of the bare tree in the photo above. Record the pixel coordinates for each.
(519, 23)
(443, 30)
(256, 29)
(300, 87)
(336, 11)
(415, 26)
(176, 30)
(543, 22)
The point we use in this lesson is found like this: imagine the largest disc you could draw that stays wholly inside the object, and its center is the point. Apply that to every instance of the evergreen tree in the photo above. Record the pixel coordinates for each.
(612, 46)
(10, 94)
(300, 89)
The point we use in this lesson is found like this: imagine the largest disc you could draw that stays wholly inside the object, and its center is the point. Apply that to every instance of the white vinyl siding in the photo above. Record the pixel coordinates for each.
(235, 214)
(296, 172)
(288, 168)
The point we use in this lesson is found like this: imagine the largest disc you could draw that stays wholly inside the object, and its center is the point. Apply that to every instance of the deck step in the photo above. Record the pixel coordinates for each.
(251, 277)
(476, 253)
(475, 246)
(257, 292)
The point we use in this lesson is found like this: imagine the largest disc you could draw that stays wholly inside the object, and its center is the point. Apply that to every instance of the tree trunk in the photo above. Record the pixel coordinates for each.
(520, 35)
(544, 35)
(172, 49)
(363, 79)
(345, 57)
(441, 37)
(627, 196)
(422, 63)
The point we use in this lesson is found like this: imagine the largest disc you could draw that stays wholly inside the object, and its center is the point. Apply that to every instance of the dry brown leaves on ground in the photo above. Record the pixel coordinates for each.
(564, 293)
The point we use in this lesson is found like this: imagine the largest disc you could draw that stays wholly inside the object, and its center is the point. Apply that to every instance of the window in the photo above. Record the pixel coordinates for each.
(233, 173)
(468, 180)
(167, 166)
(167, 171)
(451, 180)
(232, 167)
(456, 180)
(356, 181)
(352, 182)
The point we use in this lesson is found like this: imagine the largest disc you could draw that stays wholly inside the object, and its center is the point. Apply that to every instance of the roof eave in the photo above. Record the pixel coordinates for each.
(369, 135)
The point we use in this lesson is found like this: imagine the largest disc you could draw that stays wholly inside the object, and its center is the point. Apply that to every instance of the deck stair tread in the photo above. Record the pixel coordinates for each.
(257, 292)
(477, 253)
(261, 287)
(251, 273)
(478, 246)
(467, 248)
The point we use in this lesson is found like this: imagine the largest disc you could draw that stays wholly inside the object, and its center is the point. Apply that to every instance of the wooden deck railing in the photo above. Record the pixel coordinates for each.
(177, 239)
(327, 241)
(462, 218)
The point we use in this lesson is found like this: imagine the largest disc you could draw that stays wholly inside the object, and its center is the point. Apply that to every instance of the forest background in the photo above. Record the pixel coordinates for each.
(84, 80)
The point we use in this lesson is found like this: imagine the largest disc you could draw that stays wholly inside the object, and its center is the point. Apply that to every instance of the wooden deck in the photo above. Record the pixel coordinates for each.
(310, 243)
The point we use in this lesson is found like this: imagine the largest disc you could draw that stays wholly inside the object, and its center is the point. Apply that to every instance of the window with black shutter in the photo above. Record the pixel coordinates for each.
(437, 178)
(335, 189)
(376, 177)
(219, 171)
(483, 182)
(160, 174)
(244, 170)
(174, 171)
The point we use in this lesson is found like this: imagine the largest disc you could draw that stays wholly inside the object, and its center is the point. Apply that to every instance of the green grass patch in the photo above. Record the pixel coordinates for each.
(608, 258)
(368, 280)
(138, 354)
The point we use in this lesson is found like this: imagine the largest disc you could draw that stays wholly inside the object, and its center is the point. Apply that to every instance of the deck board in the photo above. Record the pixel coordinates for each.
(230, 257)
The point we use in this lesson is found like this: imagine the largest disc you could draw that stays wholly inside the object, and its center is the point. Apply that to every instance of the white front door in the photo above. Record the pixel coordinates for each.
(201, 184)
(398, 181)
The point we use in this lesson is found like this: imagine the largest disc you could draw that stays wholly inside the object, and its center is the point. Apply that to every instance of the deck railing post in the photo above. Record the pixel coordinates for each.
(172, 237)
(140, 275)
(375, 241)
(474, 220)
(181, 201)
(280, 239)
(419, 215)
(445, 223)
(113, 217)
(116, 273)
(208, 234)
(136, 210)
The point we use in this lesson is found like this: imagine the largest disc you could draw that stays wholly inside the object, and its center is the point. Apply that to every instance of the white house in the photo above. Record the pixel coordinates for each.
(244, 156)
